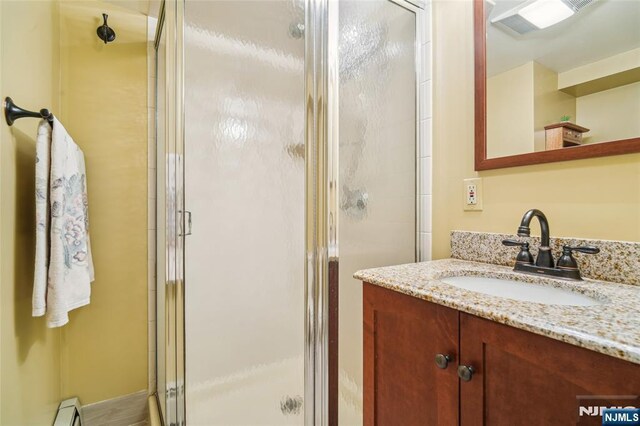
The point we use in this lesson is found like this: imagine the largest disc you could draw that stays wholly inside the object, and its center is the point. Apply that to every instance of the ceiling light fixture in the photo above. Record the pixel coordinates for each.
(545, 13)
(534, 15)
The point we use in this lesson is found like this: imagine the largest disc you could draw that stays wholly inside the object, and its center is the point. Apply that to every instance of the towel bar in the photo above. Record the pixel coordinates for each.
(12, 112)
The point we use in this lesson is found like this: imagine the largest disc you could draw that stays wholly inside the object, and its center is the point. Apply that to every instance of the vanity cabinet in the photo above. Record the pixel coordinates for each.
(399, 387)
(402, 387)
(518, 377)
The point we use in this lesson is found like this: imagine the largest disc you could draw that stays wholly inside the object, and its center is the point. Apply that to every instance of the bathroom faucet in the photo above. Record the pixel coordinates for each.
(545, 258)
(567, 266)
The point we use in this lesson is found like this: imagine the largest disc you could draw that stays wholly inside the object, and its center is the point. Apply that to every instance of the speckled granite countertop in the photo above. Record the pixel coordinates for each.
(612, 328)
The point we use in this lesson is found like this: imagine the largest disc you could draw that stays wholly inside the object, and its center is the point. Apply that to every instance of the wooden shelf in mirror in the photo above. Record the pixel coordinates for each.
(578, 152)
(563, 135)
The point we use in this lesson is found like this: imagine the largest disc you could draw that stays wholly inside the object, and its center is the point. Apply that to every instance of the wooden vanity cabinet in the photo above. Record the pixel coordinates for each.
(518, 378)
(402, 384)
(523, 377)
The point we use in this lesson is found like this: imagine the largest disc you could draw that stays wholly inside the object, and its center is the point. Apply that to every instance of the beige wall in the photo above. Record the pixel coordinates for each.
(510, 112)
(550, 104)
(611, 66)
(520, 103)
(104, 96)
(611, 114)
(51, 57)
(597, 198)
(30, 353)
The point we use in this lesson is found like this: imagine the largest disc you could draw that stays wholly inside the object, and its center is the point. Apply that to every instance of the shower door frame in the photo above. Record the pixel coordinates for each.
(170, 24)
(321, 201)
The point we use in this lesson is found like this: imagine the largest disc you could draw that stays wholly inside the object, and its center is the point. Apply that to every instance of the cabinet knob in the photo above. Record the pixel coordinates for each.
(442, 361)
(465, 372)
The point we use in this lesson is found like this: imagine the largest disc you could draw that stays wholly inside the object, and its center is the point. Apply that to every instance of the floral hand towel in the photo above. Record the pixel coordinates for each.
(70, 264)
(43, 144)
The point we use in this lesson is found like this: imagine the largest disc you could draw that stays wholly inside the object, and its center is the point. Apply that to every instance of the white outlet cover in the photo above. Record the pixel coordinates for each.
(472, 203)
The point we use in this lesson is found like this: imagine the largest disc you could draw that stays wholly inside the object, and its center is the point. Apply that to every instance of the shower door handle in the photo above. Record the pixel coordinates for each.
(187, 222)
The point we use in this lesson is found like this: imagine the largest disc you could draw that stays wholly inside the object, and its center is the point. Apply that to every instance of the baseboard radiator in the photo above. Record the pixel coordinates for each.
(69, 413)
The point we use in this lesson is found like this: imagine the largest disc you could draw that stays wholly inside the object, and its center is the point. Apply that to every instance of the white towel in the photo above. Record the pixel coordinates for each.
(70, 263)
(43, 144)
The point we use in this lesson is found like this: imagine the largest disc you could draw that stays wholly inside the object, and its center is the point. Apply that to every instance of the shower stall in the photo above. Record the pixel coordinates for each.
(287, 136)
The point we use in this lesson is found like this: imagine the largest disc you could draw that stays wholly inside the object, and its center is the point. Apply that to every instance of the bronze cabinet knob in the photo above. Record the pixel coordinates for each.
(442, 361)
(465, 372)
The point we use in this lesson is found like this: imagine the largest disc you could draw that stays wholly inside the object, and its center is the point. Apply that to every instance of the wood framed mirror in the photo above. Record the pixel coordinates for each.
(598, 68)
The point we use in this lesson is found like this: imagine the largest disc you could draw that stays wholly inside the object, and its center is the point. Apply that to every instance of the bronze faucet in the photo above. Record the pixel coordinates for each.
(567, 266)
(545, 258)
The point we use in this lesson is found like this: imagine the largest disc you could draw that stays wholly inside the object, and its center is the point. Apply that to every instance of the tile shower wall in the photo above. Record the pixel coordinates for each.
(424, 150)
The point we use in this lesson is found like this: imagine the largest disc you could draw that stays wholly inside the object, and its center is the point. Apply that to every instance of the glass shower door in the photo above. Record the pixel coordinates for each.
(377, 133)
(233, 183)
(244, 189)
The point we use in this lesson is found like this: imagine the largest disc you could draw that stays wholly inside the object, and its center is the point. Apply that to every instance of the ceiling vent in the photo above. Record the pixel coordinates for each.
(535, 15)
(578, 4)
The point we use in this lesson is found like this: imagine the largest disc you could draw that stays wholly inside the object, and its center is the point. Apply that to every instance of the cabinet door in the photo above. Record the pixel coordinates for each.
(402, 383)
(525, 378)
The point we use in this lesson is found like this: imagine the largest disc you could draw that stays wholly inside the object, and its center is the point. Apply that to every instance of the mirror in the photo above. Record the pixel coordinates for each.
(556, 80)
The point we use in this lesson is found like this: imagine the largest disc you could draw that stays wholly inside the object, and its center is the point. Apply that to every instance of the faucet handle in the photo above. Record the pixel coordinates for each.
(567, 261)
(525, 255)
(582, 249)
(513, 243)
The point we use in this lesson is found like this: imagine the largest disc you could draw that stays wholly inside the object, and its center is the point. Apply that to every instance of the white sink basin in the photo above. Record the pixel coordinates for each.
(517, 290)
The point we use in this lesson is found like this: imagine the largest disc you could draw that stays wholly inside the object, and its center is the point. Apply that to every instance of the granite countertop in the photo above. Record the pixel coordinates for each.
(611, 328)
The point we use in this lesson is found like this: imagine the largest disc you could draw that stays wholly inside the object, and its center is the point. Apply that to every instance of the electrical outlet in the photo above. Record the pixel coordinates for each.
(472, 194)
